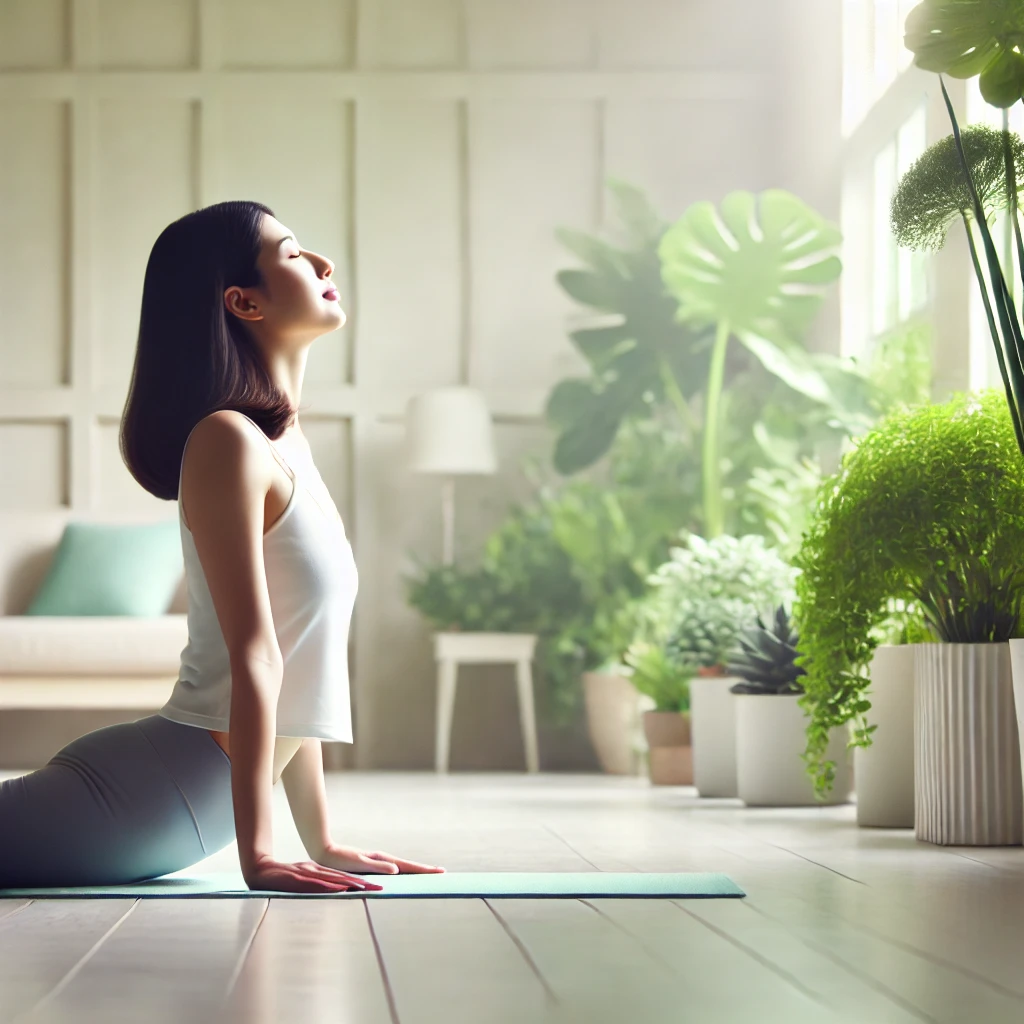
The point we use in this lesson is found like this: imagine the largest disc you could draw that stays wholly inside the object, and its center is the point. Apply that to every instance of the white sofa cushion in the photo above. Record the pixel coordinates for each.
(91, 645)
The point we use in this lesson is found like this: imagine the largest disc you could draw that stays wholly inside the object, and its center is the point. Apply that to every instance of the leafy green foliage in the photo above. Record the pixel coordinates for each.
(755, 268)
(571, 565)
(706, 592)
(900, 367)
(935, 190)
(928, 509)
(631, 340)
(766, 659)
(655, 672)
(759, 263)
(965, 38)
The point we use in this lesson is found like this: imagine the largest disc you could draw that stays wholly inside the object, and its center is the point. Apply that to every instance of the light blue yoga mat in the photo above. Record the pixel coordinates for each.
(450, 884)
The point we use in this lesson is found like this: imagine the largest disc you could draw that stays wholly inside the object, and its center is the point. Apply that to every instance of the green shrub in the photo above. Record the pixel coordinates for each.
(928, 509)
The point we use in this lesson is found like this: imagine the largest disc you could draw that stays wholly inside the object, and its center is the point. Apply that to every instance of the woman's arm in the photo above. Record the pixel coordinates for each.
(303, 779)
(255, 686)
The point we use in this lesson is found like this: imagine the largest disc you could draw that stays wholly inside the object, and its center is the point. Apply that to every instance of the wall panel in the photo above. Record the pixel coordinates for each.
(308, 34)
(144, 179)
(34, 285)
(410, 250)
(147, 33)
(533, 167)
(34, 35)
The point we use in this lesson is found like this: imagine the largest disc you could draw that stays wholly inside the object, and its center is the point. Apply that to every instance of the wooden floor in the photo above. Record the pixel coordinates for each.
(840, 924)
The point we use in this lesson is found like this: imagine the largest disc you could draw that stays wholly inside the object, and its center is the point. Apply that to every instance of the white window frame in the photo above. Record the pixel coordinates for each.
(870, 126)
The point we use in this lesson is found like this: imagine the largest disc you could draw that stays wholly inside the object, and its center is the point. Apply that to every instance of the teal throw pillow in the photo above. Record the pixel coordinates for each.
(112, 569)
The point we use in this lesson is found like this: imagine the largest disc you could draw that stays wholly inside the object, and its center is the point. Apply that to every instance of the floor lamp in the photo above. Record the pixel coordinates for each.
(449, 433)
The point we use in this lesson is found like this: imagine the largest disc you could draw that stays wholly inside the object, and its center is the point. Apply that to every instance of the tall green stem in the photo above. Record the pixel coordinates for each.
(714, 517)
(995, 334)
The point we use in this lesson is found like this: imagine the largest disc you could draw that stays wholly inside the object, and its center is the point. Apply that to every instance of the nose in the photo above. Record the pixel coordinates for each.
(329, 264)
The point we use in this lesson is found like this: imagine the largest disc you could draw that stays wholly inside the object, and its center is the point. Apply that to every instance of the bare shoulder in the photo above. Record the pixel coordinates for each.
(225, 480)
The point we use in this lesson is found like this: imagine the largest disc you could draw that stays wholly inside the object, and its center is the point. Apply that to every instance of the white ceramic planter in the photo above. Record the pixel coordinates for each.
(966, 749)
(884, 771)
(1017, 673)
(713, 724)
(613, 722)
(771, 736)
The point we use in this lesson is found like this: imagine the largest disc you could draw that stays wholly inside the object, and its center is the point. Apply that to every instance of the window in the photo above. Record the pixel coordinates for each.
(886, 125)
(984, 369)
(873, 53)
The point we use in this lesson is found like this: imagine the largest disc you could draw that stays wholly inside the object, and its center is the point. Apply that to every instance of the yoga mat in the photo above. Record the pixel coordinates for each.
(493, 884)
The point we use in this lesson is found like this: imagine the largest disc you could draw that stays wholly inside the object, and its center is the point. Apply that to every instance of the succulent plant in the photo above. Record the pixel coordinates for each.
(765, 658)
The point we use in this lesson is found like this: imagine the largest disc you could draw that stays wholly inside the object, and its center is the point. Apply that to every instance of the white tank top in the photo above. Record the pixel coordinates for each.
(312, 582)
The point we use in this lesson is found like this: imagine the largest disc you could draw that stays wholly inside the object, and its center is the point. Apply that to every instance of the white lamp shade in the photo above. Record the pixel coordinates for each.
(449, 431)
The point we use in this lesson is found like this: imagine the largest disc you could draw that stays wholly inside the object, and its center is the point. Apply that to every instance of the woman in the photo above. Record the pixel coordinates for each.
(230, 305)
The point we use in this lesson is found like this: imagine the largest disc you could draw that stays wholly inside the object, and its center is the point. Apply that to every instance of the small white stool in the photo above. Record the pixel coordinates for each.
(454, 649)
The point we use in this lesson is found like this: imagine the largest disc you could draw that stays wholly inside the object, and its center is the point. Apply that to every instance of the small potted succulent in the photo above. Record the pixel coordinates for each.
(770, 734)
(701, 599)
(665, 682)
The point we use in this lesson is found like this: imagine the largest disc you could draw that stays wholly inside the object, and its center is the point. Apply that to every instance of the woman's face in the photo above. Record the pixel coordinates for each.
(297, 299)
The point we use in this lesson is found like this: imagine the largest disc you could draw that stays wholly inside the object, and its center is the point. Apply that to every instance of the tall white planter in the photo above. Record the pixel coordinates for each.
(884, 772)
(613, 722)
(713, 728)
(771, 736)
(967, 753)
(1017, 672)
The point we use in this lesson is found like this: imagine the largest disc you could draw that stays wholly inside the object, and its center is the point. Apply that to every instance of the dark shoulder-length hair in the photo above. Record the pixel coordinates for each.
(193, 356)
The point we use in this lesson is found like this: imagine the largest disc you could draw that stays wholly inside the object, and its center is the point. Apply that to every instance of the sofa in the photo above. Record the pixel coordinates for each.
(79, 662)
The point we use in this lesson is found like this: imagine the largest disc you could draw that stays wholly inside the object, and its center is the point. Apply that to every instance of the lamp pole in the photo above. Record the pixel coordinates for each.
(448, 519)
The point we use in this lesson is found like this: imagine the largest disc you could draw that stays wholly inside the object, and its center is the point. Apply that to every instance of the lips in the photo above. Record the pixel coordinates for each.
(331, 293)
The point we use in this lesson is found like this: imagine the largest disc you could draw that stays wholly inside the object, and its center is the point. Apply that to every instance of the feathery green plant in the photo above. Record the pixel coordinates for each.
(928, 508)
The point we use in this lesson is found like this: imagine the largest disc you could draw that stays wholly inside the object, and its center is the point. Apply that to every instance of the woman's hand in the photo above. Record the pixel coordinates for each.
(305, 876)
(350, 858)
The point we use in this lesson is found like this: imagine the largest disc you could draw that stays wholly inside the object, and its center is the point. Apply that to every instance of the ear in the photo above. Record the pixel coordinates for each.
(242, 303)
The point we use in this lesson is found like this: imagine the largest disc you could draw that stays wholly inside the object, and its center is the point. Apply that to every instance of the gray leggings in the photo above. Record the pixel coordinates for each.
(121, 804)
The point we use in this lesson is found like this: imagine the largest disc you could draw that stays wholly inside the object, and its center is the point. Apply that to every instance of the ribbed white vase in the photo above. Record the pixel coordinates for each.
(967, 756)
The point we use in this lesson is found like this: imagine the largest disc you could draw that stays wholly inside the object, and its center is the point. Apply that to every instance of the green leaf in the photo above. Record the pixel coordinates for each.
(571, 400)
(582, 444)
(790, 367)
(590, 289)
(604, 258)
(636, 211)
(758, 263)
(598, 345)
(964, 38)
(1002, 82)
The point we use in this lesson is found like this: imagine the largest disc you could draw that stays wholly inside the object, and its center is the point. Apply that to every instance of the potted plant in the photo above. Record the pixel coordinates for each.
(770, 733)
(965, 40)
(701, 598)
(664, 681)
(569, 566)
(928, 508)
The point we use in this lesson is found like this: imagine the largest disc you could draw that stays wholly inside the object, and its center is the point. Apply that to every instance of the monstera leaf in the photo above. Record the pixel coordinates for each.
(634, 344)
(964, 38)
(759, 263)
(756, 269)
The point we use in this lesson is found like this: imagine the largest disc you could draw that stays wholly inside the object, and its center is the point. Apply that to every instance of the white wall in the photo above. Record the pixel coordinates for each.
(430, 147)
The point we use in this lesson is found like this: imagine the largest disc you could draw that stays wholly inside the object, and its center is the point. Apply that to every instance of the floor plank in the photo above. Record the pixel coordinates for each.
(450, 961)
(162, 961)
(313, 962)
